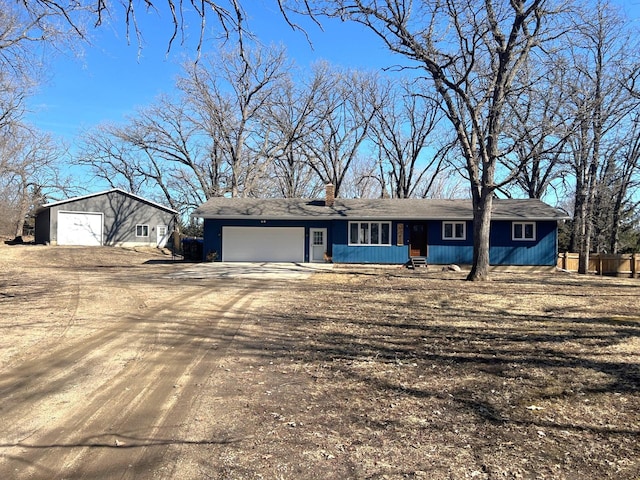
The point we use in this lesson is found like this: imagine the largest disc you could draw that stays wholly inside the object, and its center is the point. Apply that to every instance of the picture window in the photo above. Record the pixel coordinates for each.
(369, 233)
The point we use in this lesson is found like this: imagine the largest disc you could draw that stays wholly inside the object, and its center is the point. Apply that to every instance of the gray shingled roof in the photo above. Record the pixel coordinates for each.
(118, 190)
(378, 209)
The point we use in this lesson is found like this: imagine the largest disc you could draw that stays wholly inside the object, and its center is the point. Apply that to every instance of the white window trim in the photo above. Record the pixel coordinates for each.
(453, 230)
(142, 225)
(369, 230)
(523, 239)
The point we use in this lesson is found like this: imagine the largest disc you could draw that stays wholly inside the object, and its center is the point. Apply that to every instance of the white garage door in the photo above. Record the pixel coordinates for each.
(79, 228)
(262, 244)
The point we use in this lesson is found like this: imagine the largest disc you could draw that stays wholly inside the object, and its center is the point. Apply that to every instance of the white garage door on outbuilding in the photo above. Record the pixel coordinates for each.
(263, 244)
(80, 228)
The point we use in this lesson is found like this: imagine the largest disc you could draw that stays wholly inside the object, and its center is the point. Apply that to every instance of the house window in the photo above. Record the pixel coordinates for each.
(369, 233)
(142, 230)
(454, 230)
(523, 231)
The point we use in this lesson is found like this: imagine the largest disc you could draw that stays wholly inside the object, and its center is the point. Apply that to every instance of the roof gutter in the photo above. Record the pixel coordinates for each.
(371, 217)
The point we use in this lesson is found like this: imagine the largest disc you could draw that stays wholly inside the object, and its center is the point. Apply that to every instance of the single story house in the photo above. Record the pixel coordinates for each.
(112, 217)
(383, 231)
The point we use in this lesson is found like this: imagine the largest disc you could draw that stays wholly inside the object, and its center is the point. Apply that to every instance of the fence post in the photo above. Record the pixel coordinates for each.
(600, 263)
(634, 265)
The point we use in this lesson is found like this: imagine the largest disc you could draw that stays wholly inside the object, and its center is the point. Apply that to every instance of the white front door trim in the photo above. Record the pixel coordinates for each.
(317, 244)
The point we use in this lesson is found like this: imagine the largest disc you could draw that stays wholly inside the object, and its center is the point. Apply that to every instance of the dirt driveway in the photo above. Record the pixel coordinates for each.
(117, 364)
(250, 270)
(104, 359)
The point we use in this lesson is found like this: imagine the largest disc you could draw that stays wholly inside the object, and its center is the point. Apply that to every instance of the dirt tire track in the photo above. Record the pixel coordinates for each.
(175, 391)
(59, 366)
(92, 432)
(62, 424)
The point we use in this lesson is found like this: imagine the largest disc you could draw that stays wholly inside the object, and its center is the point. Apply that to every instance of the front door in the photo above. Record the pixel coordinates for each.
(418, 240)
(317, 244)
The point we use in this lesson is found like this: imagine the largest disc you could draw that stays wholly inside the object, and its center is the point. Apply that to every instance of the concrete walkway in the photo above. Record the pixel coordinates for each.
(275, 271)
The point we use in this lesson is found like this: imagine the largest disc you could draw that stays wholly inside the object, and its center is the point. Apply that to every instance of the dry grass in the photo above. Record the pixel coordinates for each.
(397, 375)
(363, 373)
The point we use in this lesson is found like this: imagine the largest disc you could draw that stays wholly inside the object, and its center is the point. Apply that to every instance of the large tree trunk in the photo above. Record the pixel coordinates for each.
(585, 244)
(583, 262)
(614, 235)
(19, 226)
(482, 204)
(23, 210)
(578, 237)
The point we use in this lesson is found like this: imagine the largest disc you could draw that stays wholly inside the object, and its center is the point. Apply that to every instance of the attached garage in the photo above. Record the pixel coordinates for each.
(80, 228)
(263, 244)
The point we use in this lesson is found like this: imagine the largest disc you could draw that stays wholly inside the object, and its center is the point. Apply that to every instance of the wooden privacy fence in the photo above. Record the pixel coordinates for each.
(626, 265)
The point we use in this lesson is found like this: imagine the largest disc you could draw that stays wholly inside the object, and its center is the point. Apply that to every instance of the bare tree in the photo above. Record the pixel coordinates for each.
(26, 29)
(403, 130)
(230, 94)
(540, 130)
(362, 179)
(28, 169)
(30, 173)
(76, 15)
(160, 152)
(111, 158)
(343, 113)
(176, 156)
(471, 51)
(597, 102)
(626, 185)
(19, 63)
(28, 157)
(210, 141)
(618, 181)
(286, 125)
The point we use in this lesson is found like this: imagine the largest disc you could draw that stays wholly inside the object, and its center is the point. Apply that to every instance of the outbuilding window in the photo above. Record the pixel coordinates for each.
(523, 231)
(454, 230)
(142, 230)
(369, 233)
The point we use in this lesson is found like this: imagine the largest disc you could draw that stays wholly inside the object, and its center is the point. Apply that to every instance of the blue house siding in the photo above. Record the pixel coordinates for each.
(503, 250)
(447, 254)
(445, 251)
(212, 232)
(541, 251)
(370, 254)
(383, 254)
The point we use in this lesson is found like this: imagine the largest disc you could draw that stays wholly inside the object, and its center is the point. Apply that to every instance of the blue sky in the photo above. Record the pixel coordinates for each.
(112, 78)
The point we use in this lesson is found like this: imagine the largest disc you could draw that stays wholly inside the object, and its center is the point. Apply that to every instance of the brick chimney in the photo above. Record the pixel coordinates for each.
(330, 194)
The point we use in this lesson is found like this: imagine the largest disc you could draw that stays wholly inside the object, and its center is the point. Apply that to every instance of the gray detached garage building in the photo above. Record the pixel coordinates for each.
(112, 217)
